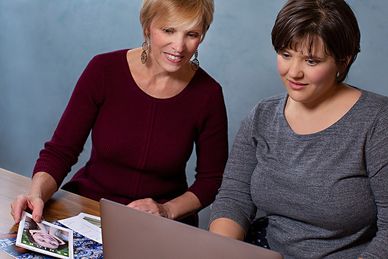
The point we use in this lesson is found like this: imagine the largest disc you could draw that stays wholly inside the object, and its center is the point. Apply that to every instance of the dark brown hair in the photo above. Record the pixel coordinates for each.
(331, 20)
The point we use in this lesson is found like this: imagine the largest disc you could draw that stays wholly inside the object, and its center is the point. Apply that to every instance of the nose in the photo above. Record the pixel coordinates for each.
(178, 43)
(295, 69)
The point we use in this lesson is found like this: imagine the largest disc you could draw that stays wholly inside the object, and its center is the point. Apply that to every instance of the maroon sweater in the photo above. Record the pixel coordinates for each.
(140, 144)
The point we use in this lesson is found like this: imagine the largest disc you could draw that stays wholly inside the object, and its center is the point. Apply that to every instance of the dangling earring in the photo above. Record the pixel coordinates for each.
(337, 76)
(195, 61)
(144, 55)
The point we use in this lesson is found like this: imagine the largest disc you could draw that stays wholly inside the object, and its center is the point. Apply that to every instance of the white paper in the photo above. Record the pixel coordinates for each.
(85, 224)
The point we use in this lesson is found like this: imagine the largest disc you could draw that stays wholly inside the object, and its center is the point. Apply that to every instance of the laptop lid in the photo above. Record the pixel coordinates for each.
(129, 233)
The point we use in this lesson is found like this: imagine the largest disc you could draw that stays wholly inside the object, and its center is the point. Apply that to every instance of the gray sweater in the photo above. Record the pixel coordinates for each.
(325, 194)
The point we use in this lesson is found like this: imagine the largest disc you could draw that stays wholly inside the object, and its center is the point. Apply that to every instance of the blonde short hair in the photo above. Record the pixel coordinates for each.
(191, 12)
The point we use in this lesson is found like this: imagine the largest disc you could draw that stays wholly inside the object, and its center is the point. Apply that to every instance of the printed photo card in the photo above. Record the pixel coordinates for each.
(44, 237)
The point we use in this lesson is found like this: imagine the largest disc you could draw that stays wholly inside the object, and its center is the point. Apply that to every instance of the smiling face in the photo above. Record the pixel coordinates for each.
(308, 74)
(173, 43)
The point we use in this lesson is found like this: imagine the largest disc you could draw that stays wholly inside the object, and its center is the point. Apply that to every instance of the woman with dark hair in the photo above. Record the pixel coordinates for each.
(145, 109)
(314, 160)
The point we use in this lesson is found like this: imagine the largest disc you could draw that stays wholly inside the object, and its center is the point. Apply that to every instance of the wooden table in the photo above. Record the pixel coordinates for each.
(62, 205)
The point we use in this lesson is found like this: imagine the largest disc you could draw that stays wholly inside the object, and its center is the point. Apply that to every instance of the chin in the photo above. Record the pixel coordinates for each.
(297, 97)
(172, 69)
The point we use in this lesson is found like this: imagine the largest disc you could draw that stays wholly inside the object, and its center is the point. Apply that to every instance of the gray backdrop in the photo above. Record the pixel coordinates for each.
(45, 45)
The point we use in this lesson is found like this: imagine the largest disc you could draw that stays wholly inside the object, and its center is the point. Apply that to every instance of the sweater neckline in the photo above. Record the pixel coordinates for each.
(333, 126)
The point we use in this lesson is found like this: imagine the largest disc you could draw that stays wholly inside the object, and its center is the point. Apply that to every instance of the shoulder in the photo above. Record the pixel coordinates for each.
(272, 101)
(370, 113)
(264, 113)
(110, 58)
(112, 54)
(268, 107)
(203, 80)
(108, 64)
(372, 104)
(374, 99)
(205, 91)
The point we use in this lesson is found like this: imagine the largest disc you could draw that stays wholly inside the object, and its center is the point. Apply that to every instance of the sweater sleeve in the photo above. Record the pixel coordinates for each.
(234, 199)
(377, 168)
(211, 149)
(62, 151)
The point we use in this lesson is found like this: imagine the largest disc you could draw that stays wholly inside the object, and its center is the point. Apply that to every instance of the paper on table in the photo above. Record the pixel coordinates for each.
(85, 224)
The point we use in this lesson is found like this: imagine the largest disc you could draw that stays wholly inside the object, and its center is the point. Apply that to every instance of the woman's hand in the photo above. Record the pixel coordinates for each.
(150, 206)
(42, 188)
(23, 202)
(176, 208)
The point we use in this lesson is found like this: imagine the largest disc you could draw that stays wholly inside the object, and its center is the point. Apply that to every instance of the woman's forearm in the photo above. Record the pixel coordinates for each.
(184, 205)
(228, 228)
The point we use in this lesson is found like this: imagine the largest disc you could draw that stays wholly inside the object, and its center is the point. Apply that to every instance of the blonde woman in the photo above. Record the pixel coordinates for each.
(145, 108)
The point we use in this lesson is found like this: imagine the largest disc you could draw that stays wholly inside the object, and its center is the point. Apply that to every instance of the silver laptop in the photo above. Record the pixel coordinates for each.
(129, 233)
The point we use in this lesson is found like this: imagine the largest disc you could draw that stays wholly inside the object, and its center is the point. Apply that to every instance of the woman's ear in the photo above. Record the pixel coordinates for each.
(343, 64)
(146, 33)
(347, 62)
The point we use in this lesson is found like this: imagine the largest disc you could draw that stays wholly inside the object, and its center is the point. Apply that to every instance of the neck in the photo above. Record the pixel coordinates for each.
(158, 76)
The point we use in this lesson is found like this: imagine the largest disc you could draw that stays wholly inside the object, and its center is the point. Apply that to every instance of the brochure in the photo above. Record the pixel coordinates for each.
(85, 224)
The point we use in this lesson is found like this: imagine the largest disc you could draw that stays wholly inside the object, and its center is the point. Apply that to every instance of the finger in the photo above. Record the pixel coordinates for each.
(17, 208)
(155, 210)
(13, 214)
(143, 208)
(138, 204)
(131, 205)
(147, 205)
(37, 209)
(147, 201)
(135, 204)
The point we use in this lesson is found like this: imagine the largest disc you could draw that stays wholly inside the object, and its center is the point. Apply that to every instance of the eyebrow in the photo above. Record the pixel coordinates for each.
(308, 55)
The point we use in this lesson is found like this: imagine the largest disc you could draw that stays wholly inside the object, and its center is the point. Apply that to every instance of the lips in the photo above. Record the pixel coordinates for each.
(296, 85)
(174, 58)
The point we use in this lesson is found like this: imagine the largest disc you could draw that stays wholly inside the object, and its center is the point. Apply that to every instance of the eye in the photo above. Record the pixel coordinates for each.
(312, 61)
(169, 30)
(285, 54)
(193, 35)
